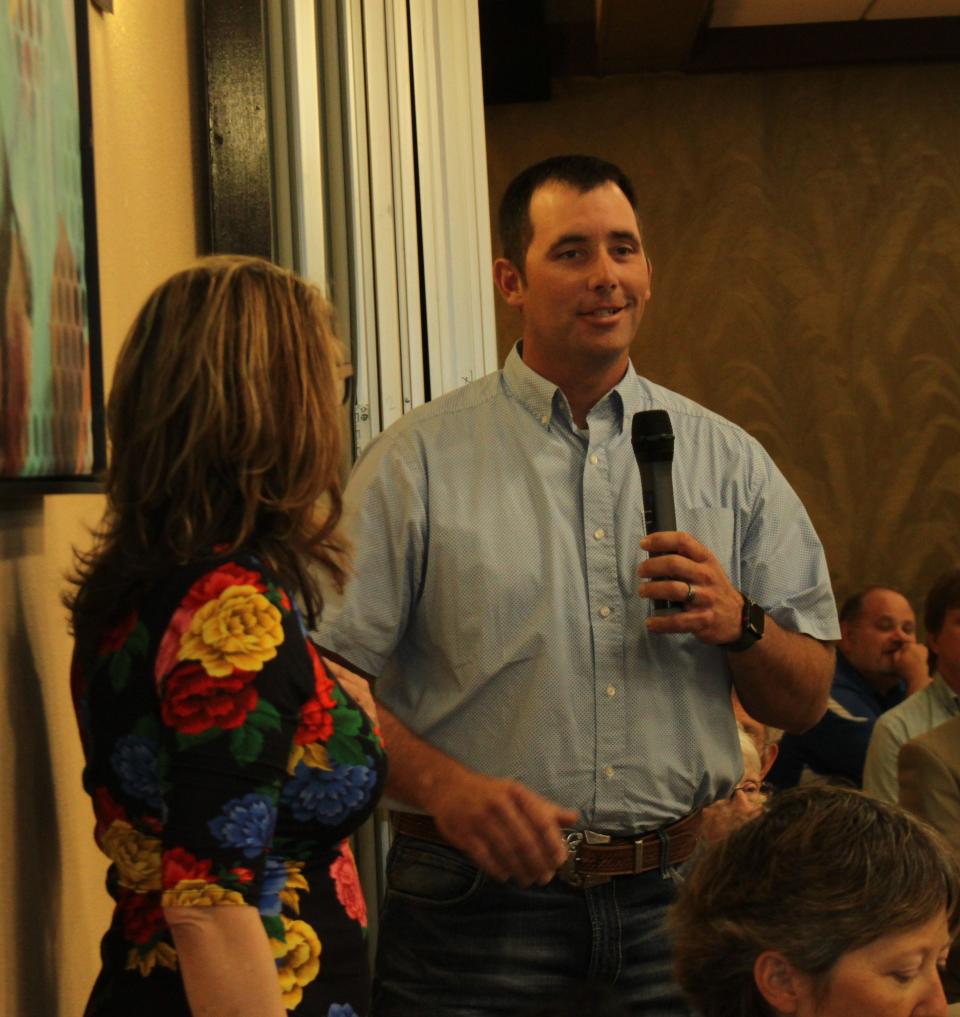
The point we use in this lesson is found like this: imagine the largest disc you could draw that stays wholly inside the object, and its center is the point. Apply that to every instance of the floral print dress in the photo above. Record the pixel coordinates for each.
(226, 767)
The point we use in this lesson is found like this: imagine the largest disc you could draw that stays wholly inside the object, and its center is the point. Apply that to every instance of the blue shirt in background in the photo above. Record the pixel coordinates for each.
(837, 745)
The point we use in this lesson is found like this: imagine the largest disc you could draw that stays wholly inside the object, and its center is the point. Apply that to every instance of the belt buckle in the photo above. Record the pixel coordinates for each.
(567, 873)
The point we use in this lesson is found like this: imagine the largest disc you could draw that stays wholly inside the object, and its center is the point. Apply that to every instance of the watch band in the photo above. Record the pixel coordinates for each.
(752, 619)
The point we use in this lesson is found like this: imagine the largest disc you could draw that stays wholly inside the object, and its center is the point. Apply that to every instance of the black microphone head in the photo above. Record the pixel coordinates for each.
(652, 436)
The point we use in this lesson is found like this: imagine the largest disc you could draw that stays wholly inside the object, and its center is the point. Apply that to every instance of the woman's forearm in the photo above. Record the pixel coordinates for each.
(225, 960)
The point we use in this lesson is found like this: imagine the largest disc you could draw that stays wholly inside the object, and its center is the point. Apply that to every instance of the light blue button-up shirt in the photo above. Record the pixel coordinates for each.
(497, 548)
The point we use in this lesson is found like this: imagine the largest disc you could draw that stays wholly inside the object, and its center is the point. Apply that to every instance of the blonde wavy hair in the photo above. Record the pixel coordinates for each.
(224, 426)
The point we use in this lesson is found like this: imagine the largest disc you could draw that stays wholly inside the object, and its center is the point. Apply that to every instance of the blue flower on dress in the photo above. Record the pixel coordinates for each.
(245, 823)
(134, 760)
(341, 1010)
(273, 881)
(328, 796)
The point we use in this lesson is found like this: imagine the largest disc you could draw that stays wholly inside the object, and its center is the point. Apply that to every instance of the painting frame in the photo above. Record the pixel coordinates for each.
(67, 453)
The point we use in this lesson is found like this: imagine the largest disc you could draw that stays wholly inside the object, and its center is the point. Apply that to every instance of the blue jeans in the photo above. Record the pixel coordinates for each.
(455, 943)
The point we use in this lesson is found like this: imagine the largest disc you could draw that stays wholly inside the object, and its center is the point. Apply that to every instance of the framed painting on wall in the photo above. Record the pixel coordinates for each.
(51, 382)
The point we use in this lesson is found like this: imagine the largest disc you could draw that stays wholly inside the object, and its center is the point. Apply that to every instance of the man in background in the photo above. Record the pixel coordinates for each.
(545, 727)
(879, 664)
(929, 786)
(931, 706)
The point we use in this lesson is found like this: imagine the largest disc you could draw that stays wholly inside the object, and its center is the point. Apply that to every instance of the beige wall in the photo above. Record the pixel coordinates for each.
(804, 228)
(147, 131)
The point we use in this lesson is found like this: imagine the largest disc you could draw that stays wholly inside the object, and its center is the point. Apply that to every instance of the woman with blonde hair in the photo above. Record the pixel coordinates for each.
(226, 760)
(830, 904)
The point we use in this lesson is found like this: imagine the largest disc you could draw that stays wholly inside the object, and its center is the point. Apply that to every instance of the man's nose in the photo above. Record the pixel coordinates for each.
(603, 275)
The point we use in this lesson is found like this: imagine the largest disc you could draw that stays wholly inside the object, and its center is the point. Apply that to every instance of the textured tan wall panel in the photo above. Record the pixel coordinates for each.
(804, 228)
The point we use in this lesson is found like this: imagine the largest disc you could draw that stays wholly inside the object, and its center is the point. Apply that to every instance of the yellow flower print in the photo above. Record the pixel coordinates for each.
(298, 959)
(313, 755)
(195, 893)
(136, 856)
(241, 630)
(295, 881)
(162, 954)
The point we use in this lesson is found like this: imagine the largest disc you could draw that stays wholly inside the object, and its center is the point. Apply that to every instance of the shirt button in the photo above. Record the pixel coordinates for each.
(608, 771)
(599, 534)
(594, 459)
(604, 611)
(545, 419)
(611, 691)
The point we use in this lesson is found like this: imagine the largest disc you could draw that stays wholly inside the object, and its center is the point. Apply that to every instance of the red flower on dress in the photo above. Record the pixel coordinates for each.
(194, 701)
(141, 915)
(106, 810)
(316, 718)
(117, 636)
(242, 874)
(179, 864)
(346, 879)
(210, 586)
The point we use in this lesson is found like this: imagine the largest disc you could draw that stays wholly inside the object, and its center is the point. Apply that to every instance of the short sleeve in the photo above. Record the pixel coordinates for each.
(386, 521)
(783, 563)
(232, 672)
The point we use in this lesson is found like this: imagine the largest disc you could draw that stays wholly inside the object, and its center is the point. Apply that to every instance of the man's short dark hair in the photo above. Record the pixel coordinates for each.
(581, 172)
(943, 596)
(853, 605)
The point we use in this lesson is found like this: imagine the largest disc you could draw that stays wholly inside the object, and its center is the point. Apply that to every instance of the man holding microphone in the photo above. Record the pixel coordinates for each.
(552, 739)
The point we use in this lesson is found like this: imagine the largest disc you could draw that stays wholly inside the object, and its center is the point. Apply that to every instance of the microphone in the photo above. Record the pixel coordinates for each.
(652, 440)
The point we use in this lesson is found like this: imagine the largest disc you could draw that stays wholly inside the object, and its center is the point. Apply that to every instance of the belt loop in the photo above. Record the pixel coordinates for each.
(664, 839)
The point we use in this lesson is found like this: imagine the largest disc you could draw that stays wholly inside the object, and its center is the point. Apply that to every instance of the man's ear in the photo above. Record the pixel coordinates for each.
(509, 281)
(778, 981)
(770, 751)
(649, 292)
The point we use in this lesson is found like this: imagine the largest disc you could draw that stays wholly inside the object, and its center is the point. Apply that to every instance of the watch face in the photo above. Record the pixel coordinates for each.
(755, 620)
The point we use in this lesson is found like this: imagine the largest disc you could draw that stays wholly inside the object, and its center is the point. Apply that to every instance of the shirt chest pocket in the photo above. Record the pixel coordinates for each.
(715, 528)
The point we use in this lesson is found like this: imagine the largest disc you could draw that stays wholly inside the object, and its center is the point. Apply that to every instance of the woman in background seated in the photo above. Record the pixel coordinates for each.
(226, 760)
(830, 904)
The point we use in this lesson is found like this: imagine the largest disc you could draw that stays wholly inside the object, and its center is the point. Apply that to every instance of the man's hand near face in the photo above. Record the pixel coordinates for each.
(910, 663)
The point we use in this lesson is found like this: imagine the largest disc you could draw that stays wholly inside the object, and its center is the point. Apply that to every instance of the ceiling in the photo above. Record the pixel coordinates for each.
(525, 43)
(740, 13)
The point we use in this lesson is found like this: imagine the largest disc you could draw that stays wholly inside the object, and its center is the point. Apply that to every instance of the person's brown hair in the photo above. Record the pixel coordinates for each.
(224, 425)
(823, 870)
(582, 172)
(943, 596)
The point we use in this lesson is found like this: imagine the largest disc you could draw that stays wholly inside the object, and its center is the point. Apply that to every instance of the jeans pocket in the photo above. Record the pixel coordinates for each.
(430, 874)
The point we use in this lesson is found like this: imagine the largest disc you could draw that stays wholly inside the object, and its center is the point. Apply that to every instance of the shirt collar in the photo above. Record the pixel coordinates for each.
(542, 397)
(946, 695)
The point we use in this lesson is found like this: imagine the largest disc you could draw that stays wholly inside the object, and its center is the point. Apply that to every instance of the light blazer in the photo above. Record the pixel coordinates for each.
(928, 770)
(929, 777)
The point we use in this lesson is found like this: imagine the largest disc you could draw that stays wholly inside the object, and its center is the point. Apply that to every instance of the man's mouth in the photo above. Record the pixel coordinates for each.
(602, 312)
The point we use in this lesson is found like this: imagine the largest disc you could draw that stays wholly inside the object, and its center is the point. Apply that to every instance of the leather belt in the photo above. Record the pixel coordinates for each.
(594, 858)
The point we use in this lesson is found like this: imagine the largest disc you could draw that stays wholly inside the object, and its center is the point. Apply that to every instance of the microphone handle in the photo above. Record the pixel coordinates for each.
(659, 513)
